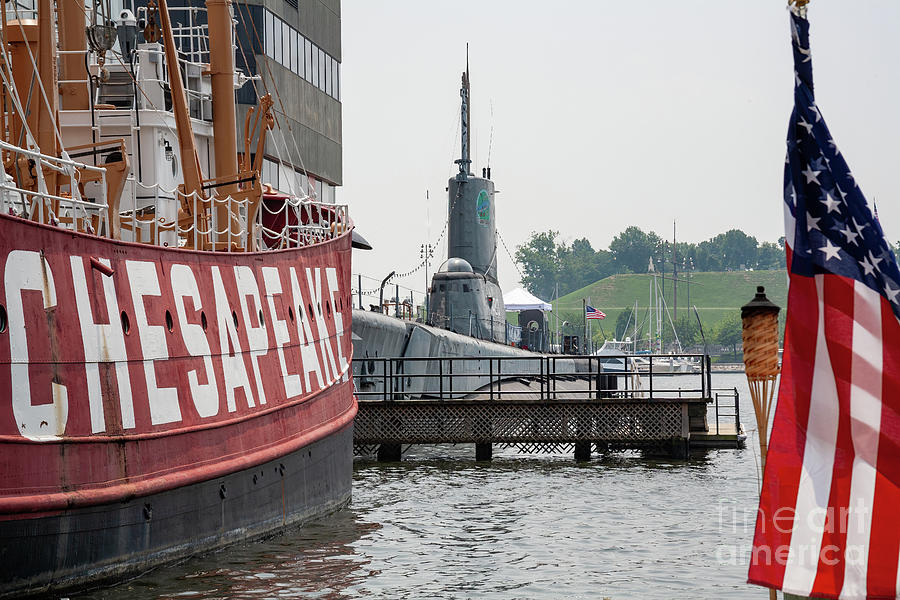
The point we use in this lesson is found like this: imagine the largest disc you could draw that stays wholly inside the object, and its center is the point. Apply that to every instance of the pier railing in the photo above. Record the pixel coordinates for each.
(544, 377)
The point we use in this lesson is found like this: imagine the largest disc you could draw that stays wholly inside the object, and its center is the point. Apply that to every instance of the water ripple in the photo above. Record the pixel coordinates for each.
(438, 525)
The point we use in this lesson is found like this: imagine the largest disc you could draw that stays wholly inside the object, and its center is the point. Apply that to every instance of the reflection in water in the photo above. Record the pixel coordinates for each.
(316, 561)
(439, 525)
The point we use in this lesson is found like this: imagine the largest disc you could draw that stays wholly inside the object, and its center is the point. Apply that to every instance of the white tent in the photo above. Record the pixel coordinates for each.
(519, 299)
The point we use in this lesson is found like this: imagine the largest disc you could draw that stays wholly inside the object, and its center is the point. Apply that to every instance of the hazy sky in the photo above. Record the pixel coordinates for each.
(604, 114)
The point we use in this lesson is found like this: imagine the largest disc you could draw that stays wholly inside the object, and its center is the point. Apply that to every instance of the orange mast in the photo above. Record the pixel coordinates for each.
(73, 85)
(26, 39)
(221, 69)
(190, 163)
(49, 109)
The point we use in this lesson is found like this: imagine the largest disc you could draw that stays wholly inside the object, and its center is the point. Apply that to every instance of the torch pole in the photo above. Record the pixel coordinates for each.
(759, 319)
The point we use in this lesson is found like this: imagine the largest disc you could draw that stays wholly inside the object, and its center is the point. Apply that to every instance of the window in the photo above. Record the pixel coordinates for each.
(326, 74)
(277, 54)
(337, 81)
(270, 35)
(315, 66)
(321, 69)
(301, 41)
(286, 45)
(307, 64)
(270, 173)
(330, 76)
(293, 51)
(287, 178)
(327, 193)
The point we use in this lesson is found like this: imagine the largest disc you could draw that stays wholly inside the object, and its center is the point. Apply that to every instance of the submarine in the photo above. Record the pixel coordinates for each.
(466, 315)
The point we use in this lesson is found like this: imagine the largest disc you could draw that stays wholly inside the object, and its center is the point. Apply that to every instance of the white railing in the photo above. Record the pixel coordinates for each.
(293, 222)
(91, 216)
(191, 36)
(303, 222)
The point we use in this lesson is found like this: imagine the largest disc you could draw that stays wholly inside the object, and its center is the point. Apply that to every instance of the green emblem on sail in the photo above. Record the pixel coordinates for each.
(483, 208)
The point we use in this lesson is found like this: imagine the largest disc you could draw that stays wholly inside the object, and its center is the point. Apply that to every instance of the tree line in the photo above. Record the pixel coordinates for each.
(547, 261)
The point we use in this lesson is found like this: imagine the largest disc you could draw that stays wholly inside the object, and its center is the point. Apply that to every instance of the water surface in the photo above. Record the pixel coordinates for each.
(438, 525)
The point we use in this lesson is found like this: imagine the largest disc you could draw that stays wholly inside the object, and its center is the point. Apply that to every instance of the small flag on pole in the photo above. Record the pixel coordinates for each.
(828, 524)
(592, 313)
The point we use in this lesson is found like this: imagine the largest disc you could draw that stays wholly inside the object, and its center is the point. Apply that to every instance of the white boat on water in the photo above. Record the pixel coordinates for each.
(620, 356)
(667, 363)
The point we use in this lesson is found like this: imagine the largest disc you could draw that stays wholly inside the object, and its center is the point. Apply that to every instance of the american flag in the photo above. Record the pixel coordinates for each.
(592, 313)
(829, 514)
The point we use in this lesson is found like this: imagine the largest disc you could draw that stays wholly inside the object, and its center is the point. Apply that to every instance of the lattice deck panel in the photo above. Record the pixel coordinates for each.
(550, 422)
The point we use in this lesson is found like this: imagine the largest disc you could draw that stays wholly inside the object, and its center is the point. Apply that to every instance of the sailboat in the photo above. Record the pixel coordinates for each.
(174, 336)
(643, 351)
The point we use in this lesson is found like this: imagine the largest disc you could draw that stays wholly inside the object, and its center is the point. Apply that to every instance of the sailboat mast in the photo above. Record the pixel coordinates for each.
(674, 274)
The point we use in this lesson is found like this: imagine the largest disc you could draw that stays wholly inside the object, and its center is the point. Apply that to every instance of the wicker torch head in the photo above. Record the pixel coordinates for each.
(760, 336)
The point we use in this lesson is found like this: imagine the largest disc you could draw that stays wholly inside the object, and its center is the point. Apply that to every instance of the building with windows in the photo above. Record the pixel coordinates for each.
(294, 48)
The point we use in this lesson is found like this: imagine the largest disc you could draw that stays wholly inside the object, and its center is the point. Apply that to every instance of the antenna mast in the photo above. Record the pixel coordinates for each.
(465, 122)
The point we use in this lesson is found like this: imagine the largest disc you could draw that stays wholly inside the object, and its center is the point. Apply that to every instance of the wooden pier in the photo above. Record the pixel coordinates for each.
(546, 404)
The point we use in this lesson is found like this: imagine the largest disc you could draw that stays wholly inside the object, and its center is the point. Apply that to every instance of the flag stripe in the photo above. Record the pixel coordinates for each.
(865, 415)
(884, 544)
(838, 299)
(818, 462)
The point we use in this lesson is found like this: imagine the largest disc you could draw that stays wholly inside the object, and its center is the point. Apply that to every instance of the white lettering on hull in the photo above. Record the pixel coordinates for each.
(314, 283)
(308, 354)
(204, 395)
(257, 337)
(163, 401)
(103, 343)
(43, 414)
(272, 282)
(233, 368)
(335, 294)
(27, 270)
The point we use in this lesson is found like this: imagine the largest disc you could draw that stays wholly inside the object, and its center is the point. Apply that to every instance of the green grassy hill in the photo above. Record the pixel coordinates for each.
(715, 294)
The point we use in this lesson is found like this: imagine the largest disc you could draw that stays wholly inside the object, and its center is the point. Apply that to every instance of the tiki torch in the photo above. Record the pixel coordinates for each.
(760, 336)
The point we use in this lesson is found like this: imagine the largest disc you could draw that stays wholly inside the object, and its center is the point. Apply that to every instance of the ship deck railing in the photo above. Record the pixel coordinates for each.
(40, 205)
(593, 377)
(539, 404)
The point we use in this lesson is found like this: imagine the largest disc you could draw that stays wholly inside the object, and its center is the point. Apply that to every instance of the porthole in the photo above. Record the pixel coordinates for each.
(234, 318)
(170, 324)
(319, 307)
(300, 311)
(203, 322)
(328, 307)
(309, 307)
(126, 324)
(261, 324)
(291, 313)
(3, 319)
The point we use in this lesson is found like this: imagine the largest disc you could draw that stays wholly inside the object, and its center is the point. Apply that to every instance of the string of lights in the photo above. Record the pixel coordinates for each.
(511, 257)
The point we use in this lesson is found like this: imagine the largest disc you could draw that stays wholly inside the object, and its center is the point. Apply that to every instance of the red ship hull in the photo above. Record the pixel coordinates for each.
(156, 403)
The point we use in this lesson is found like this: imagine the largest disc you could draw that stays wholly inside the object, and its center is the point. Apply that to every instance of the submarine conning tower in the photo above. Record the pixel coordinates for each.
(472, 230)
(465, 295)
